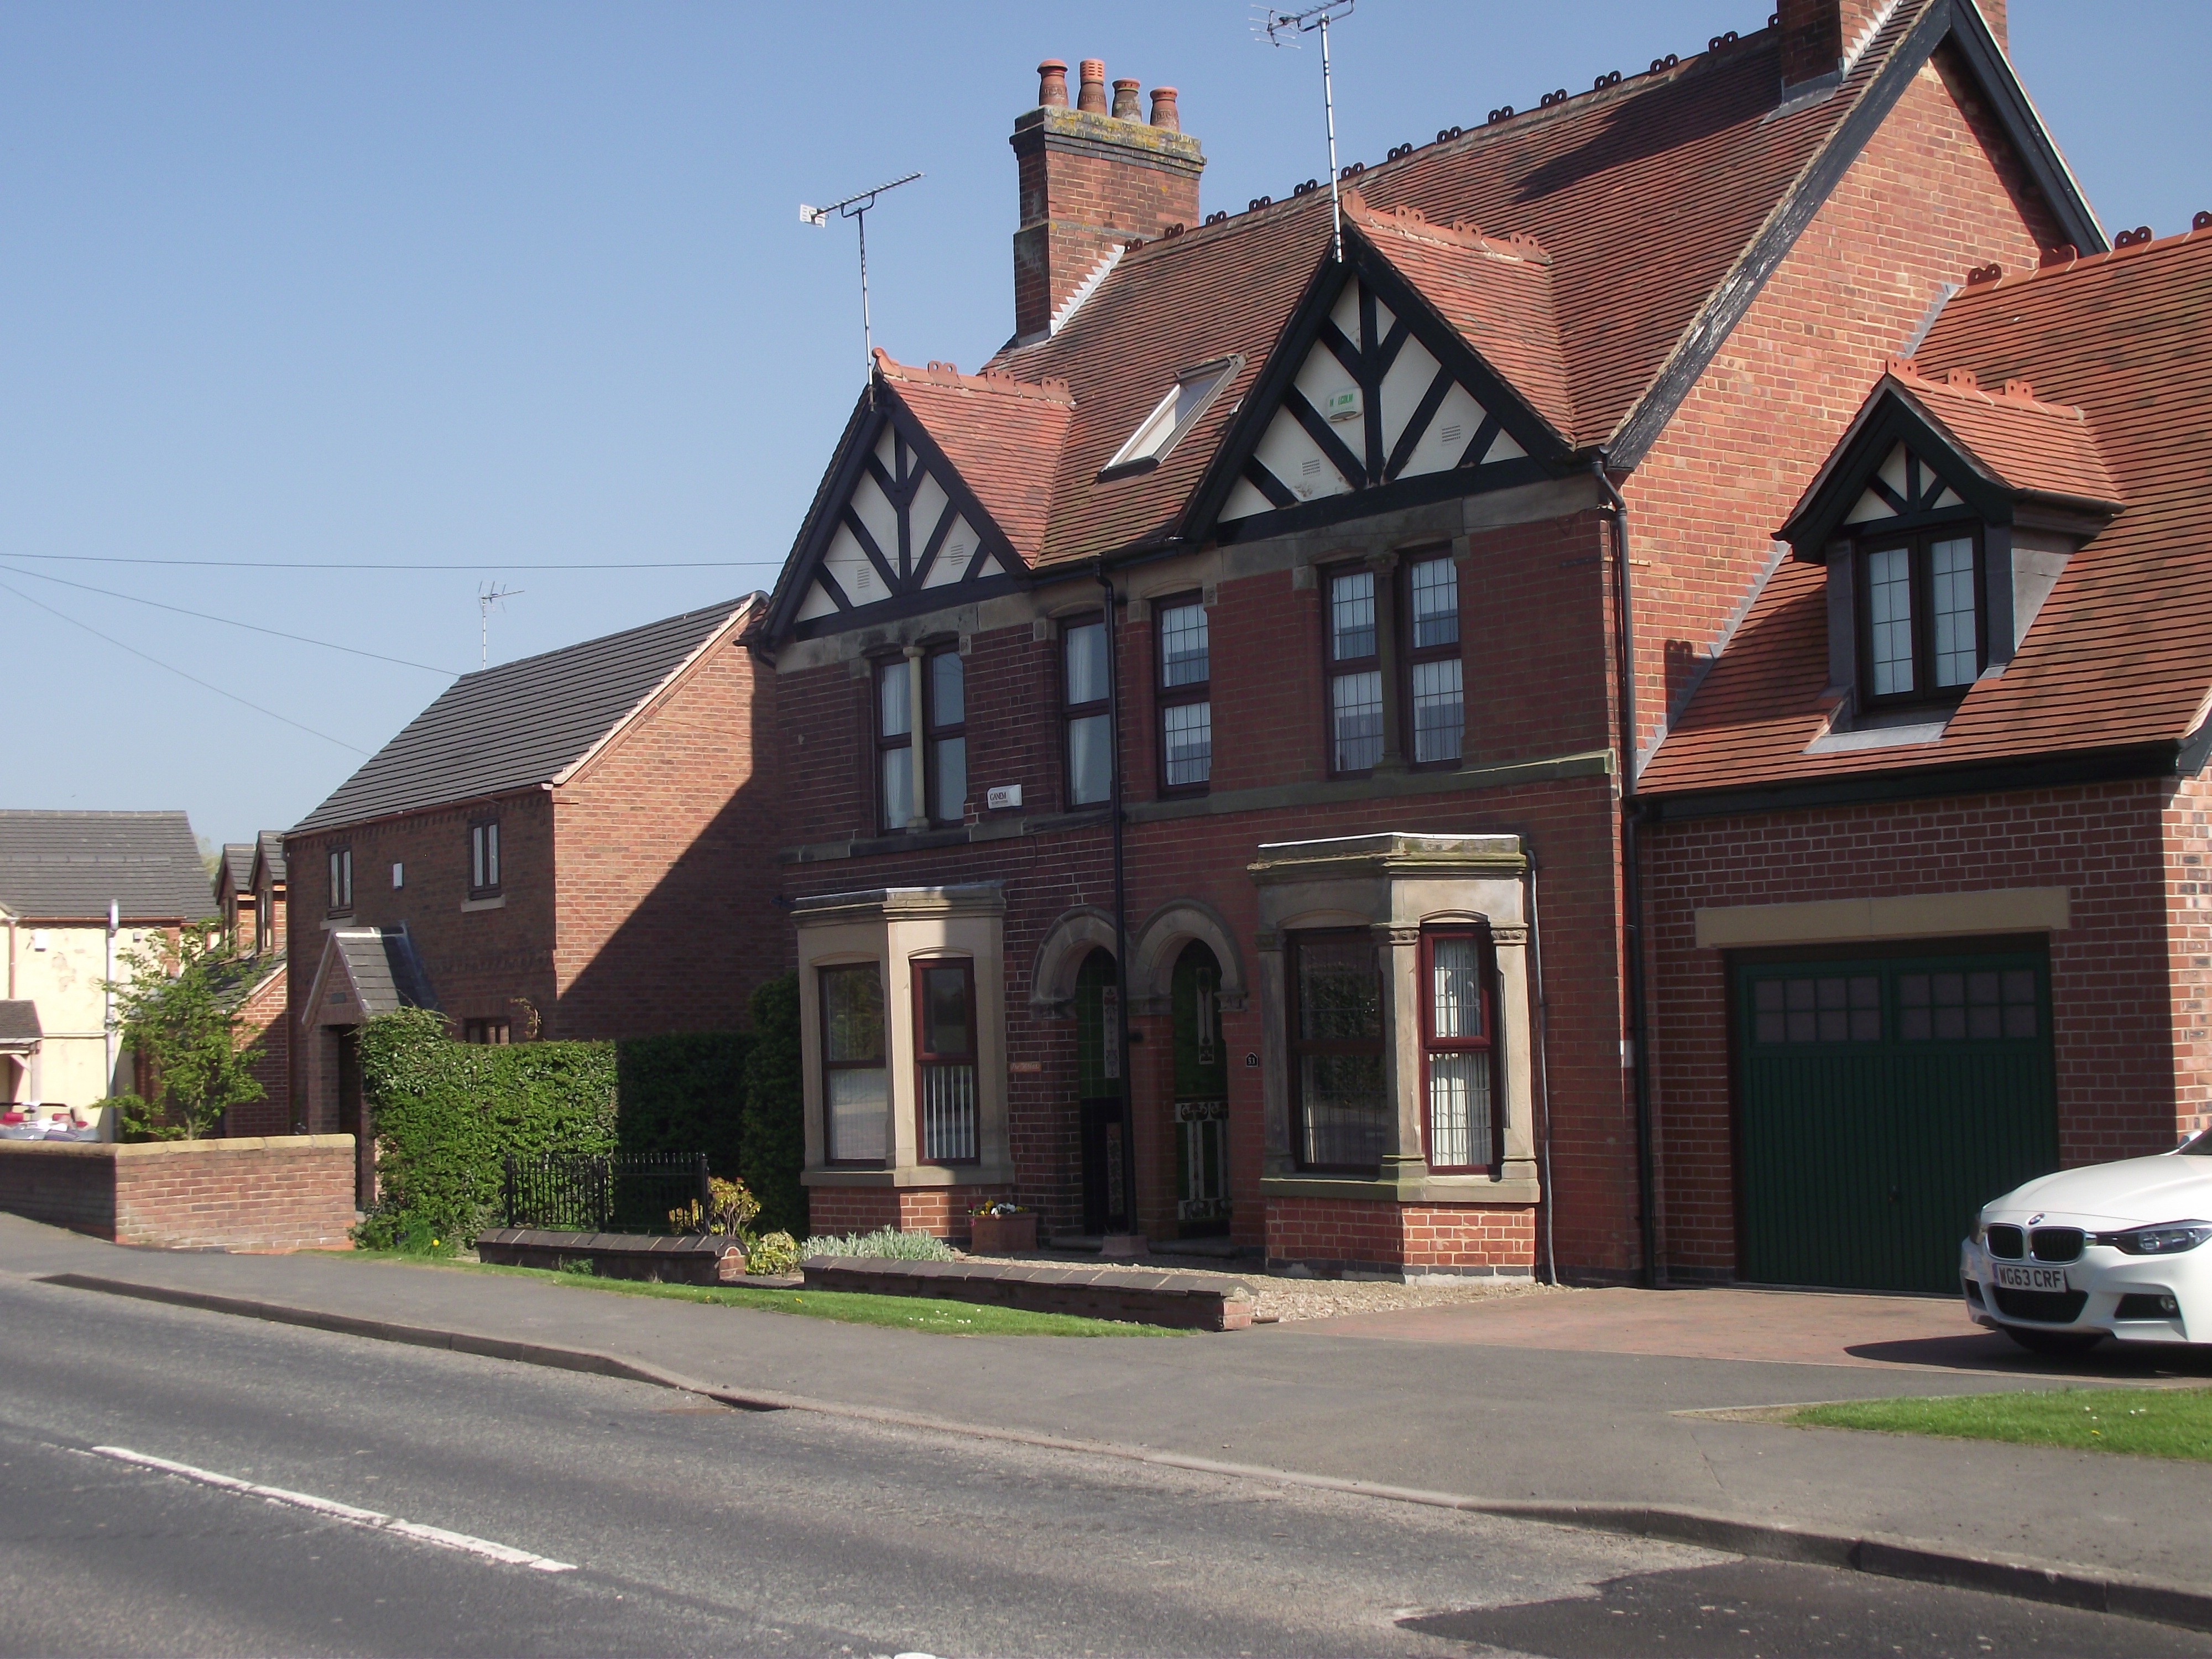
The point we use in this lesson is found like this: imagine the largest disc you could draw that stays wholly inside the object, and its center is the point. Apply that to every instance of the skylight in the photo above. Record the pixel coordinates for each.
(1175, 414)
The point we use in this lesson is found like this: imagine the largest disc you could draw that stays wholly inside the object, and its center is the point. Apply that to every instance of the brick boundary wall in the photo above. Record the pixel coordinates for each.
(1332, 1235)
(283, 1193)
(833, 1211)
(1138, 1295)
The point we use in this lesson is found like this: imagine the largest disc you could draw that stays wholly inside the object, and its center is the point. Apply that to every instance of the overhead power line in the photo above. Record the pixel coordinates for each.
(233, 622)
(476, 564)
(172, 667)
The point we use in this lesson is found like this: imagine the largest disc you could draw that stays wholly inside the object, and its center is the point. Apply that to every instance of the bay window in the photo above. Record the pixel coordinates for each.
(1458, 1053)
(1185, 697)
(1920, 634)
(944, 1060)
(1355, 674)
(858, 1121)
(1342, 1095)
(1085, 712)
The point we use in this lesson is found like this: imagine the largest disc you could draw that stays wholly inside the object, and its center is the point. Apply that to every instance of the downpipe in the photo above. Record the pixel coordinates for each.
(1121, 900)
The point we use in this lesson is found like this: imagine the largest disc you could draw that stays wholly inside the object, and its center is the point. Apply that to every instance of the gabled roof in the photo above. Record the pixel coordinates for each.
(234, 870)
(2119, 658)
(69, 866)
(18, 1024)
(367, 971)
(268, 855)
(523, 724)
(1650, 211)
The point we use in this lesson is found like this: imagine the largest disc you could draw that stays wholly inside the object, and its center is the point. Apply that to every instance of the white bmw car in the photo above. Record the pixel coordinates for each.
(2113, 1250)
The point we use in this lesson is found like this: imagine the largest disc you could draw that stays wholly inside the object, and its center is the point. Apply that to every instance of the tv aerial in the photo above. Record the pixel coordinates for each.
(1282, 29)
(490, 596)
(855, 208)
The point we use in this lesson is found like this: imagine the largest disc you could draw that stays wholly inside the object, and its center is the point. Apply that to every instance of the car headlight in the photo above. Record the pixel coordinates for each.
(2169, 1238)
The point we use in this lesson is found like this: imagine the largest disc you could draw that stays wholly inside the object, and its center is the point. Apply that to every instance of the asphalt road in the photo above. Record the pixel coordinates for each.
(320, 1494)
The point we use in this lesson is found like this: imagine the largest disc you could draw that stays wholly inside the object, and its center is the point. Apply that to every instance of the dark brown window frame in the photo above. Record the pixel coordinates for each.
(1333, 668)
(1485, 958)
(340, 859)
(933, 734)
(881, 745)
(918, 969)
(496, 1033)
(1166, 696)
(1920, 544)
(1297, 1047)
(1409, 654)
(1070, 713)
(479, 843)
(881, 1063)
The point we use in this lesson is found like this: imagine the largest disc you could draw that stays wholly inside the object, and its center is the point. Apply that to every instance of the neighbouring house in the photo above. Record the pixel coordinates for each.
(1205, 732)
(1926, 853)
(77, 889)
(574, 845)
(249, 885)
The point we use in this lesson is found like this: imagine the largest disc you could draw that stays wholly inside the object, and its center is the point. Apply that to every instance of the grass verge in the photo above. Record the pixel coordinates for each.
(909, 1313)
(2140, 1422)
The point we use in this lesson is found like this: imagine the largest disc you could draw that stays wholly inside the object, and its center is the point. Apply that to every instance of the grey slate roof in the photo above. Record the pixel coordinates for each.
(67, 866)
(19, 1023)
(520, 723)
(387, 973)
(270, 850)
(233, 872)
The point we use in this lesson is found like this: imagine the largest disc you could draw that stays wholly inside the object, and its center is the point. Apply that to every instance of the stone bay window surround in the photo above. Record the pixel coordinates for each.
(1398, 1050)
(904, 1032)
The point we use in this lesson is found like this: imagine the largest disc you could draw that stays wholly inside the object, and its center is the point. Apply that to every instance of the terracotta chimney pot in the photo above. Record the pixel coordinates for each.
(1052, 84)
(1124, 101)
(1163, 109)
(1092, 94)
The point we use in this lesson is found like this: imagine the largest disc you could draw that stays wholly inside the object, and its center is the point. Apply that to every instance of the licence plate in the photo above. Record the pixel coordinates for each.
(2031, 1278)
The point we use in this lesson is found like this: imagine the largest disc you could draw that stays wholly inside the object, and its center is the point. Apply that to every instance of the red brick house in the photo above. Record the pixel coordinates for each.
(555, 847)
(1926, 850)
(1208, 722)
(249, 892)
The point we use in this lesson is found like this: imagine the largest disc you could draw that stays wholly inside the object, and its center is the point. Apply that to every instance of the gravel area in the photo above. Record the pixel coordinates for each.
(1285, 1299)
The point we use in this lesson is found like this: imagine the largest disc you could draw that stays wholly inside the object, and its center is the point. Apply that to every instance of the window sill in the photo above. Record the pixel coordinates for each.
(911, 1175)
(1514, 1188)
(337, 919)
(496, 901)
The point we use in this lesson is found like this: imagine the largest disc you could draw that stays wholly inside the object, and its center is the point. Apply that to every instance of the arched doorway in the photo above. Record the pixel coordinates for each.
(1201, 1094)
(1101, 1094)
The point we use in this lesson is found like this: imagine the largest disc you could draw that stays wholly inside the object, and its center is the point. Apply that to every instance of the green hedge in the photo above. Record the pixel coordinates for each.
(447, 1112)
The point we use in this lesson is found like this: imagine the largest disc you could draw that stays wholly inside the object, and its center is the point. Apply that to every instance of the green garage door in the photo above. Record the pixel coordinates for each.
(1882, 1101)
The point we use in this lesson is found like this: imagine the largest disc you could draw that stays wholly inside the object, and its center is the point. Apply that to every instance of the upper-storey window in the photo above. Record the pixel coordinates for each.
(1355, 674)
(1175, 414)
(1185, 695)
(264, 908)
(1919, 619)
(895, 742)
(1432, 660)
(341, 878)
(484, 859)
(1084, 711)
(945, 680)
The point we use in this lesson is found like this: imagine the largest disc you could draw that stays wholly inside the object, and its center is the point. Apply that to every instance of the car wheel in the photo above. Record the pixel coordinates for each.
(2053, 1342)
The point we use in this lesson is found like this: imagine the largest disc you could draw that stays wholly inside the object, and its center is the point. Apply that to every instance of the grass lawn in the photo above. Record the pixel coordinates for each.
(2145, 1422)
(909, 1313)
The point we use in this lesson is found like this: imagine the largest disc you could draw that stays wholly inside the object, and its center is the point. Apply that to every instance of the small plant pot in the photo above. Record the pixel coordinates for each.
(1002, 1235)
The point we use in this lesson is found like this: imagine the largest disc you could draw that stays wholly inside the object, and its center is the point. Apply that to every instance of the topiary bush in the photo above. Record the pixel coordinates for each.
(773, 1144)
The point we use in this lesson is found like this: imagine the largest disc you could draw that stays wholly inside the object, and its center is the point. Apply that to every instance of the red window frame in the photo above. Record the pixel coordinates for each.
(924, 1057)
(1485, 960)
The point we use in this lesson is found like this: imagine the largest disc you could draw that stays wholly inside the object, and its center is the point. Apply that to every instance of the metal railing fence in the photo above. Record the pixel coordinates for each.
(630, 1193)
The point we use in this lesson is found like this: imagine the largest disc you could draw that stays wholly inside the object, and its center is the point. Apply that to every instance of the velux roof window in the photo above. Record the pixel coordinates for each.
(1161, 430)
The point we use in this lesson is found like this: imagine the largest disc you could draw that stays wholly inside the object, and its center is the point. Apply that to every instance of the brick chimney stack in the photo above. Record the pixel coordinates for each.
(1091, 181)
(1815, 33)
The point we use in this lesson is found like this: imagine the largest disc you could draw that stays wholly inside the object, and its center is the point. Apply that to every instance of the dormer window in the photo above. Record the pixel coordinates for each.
(1190, 397)
(1920, 612)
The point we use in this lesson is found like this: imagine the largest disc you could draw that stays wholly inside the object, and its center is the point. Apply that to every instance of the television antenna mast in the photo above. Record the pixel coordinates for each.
(1283, 29)
(489, 594)
(855, 208)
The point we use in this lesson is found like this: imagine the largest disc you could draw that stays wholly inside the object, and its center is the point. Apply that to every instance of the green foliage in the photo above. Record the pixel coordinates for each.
(730, 1212)
(2147, 1422)
(446, 1113)
(884, 1242)
(135, 1120)
(684, 1094)
(177, 1008)
(773, 1146)
(772, 1252)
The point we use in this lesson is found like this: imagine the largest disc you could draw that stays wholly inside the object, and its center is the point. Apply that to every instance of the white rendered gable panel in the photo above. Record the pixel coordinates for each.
(1346, 315)
(873, 508)
(887, 451)
(1502, 448)
(818, 604)
(1322, 377)
(1408, 381)
(1452, 428)
(1244, 501)
(849, 563)
(1893, 473)
(1948, 498)
(988, 567)
(921, 517)
(1292, 456)
(954, 556)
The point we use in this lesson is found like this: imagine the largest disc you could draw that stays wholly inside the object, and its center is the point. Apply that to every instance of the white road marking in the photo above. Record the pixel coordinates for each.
(331, 1509)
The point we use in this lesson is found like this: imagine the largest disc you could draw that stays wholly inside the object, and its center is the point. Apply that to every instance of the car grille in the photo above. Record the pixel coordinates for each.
(2056, 1244)
(2046, 1307)
(2007, 1242)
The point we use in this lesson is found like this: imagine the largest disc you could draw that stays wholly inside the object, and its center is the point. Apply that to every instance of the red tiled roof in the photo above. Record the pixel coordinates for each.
(2121, 653)
(2037, 447)
(1002, 435)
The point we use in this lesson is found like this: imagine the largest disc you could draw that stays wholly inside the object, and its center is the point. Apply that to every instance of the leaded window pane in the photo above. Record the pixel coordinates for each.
(1889, 609)
(1346, 1109)
(1340, 992)
(1438, 715)
(1184, 657)
(853, 1014)
(1188, 728)
(1356, 719)
(1352, 615)
(1951, 585)
(1436, 604)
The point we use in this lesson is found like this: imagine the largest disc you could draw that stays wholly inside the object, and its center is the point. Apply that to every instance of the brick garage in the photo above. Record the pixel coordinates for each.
(285, 1192)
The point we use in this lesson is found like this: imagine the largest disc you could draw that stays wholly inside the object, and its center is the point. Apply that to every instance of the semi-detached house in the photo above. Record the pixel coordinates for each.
(1209, 726)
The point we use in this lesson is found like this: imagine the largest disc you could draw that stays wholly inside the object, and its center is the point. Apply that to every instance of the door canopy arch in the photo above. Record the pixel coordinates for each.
(1060, 959)
(1161, 941)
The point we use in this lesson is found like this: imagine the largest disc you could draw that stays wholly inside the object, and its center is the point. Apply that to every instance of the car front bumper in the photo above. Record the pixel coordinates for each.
(2106, 1292)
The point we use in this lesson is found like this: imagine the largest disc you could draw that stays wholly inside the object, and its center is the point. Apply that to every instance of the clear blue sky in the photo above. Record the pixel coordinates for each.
(495, 282)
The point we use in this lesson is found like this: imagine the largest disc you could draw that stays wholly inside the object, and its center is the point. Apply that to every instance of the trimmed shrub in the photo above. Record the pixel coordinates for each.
(884, 1242)
(447, 1112)
(684, 1094)
(772, 1252)
(774, 1141)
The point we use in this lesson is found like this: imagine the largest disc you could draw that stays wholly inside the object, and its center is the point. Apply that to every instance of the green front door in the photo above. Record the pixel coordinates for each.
(1882, 1100)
